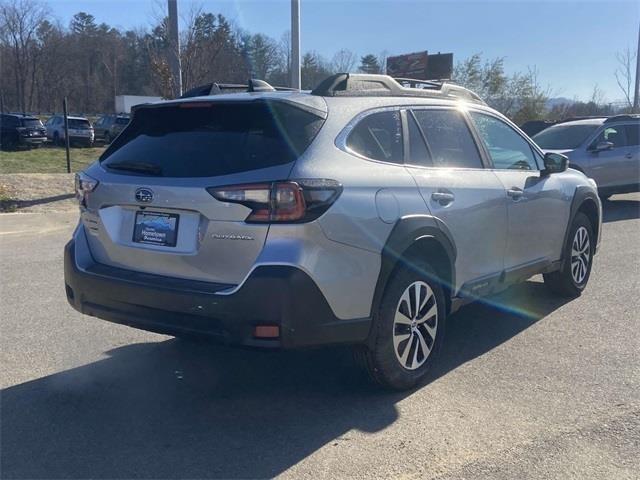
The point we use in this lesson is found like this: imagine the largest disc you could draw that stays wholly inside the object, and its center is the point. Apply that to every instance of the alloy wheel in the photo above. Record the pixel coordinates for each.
(415, 325)
(580, 255)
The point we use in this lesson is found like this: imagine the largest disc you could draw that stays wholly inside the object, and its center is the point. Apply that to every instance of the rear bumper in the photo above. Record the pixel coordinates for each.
(33, 140)
(282, 296)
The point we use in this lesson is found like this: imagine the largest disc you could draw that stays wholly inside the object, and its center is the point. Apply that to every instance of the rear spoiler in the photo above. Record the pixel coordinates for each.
(253, 85)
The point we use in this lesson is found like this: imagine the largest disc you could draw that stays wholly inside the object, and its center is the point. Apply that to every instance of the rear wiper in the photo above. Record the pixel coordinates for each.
(140, 167)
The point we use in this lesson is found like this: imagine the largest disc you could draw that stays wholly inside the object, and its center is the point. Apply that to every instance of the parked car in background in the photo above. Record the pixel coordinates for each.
(109, 127)
(21, 131)
(535, 126)
(362, 213)
(80, 130)
(606, 149)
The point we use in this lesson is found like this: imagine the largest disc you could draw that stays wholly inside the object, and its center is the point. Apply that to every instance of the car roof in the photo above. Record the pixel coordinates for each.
(349, 105)
(19, 115)
(584, 121)
(301, 99)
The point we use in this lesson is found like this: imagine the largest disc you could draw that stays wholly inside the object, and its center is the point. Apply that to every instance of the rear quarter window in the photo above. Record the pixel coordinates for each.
(379, 137)
(191, 140)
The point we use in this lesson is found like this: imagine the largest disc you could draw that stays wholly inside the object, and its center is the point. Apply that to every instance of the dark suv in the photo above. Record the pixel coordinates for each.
(21, 130)
(109, 127)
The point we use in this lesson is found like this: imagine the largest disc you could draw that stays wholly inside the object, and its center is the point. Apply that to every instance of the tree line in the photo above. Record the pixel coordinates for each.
(43, 61)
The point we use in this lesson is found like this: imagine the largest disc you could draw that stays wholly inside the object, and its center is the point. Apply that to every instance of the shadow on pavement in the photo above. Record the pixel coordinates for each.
(12, 204)
(616, 210)
(180, 409)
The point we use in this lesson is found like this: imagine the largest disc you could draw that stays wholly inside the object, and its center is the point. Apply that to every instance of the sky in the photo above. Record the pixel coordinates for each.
(572, 44)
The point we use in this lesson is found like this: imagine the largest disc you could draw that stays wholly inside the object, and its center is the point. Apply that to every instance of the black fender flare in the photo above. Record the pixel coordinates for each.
(405, 233)
(582, 194)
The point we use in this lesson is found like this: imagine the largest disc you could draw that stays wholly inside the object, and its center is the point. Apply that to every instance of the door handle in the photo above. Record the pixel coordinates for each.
(443, 198)
(628, 155)
(515, 193)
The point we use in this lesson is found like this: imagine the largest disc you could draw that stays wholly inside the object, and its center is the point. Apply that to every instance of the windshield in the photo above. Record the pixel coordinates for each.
(206, 140)
(122, 121)
(563, 137)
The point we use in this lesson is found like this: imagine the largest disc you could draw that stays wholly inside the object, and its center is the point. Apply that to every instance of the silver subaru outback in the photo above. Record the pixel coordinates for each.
(363, 212)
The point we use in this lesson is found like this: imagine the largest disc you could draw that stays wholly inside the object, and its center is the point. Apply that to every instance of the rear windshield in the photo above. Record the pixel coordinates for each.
(31, 122)
(563, 137)
(214, 139)
(76, 123)
(122, 120)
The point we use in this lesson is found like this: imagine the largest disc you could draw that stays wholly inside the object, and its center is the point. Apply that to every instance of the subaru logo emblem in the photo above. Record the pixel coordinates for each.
(144, 195)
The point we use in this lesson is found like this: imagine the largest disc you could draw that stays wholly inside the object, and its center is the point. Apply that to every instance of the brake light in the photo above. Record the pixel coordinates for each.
(84, 184)
(281, 202)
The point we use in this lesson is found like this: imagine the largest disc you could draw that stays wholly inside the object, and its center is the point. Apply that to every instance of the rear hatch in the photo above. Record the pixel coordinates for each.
(152, 212)
(79, 127)
(33, 127)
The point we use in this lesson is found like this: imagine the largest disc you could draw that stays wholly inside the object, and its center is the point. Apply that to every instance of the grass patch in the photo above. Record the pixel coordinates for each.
(47, 160)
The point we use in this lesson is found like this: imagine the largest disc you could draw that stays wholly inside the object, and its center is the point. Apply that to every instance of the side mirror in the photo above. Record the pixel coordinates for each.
(602, 146)
(554, 163)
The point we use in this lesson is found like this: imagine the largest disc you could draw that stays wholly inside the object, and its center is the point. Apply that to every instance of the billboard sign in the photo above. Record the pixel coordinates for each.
(410, 65)
(421, 66)
(440, 67)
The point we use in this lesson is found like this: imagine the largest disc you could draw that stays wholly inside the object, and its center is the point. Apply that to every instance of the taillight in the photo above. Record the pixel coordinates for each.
(281, 202)
(84, 184)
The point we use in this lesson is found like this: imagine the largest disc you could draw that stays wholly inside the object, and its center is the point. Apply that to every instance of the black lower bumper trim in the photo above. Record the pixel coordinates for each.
(273, 295)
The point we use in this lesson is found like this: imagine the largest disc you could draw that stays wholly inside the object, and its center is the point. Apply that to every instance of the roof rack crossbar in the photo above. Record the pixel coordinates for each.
(369, 85)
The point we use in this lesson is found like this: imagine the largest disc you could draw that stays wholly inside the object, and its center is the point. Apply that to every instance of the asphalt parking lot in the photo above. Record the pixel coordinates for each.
(529, 386)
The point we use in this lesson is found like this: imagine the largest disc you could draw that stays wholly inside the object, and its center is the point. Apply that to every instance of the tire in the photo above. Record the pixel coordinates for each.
(56, 139)
(572, 279)
(396, 359)
(107, 138)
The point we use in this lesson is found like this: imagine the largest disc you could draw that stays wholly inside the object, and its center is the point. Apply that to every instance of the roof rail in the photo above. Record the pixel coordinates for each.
(213, 88)
(368, 85)
(623, 117)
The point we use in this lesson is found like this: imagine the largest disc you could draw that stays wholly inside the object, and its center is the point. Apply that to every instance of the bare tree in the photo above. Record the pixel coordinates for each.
(624, 74)
(343, 61)
(19, 22)
(382, 60)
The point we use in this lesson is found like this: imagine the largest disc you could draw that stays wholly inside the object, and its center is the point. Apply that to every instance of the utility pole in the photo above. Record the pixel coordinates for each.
(636, 92)
(295, 44)
(174, 47)
(66, 132)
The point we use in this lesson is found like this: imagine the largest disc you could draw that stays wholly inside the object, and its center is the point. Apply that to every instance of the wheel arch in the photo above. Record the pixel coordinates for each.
(585, 200)
(590, 208)
(414, 240)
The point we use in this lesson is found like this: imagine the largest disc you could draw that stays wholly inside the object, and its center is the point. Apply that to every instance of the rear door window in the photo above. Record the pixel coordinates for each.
(418, 153)
(448, 138)
(212, 139)
(379, 137)
(633, 134)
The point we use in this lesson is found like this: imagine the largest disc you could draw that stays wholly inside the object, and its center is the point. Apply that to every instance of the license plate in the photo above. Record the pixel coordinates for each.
(156, 228)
